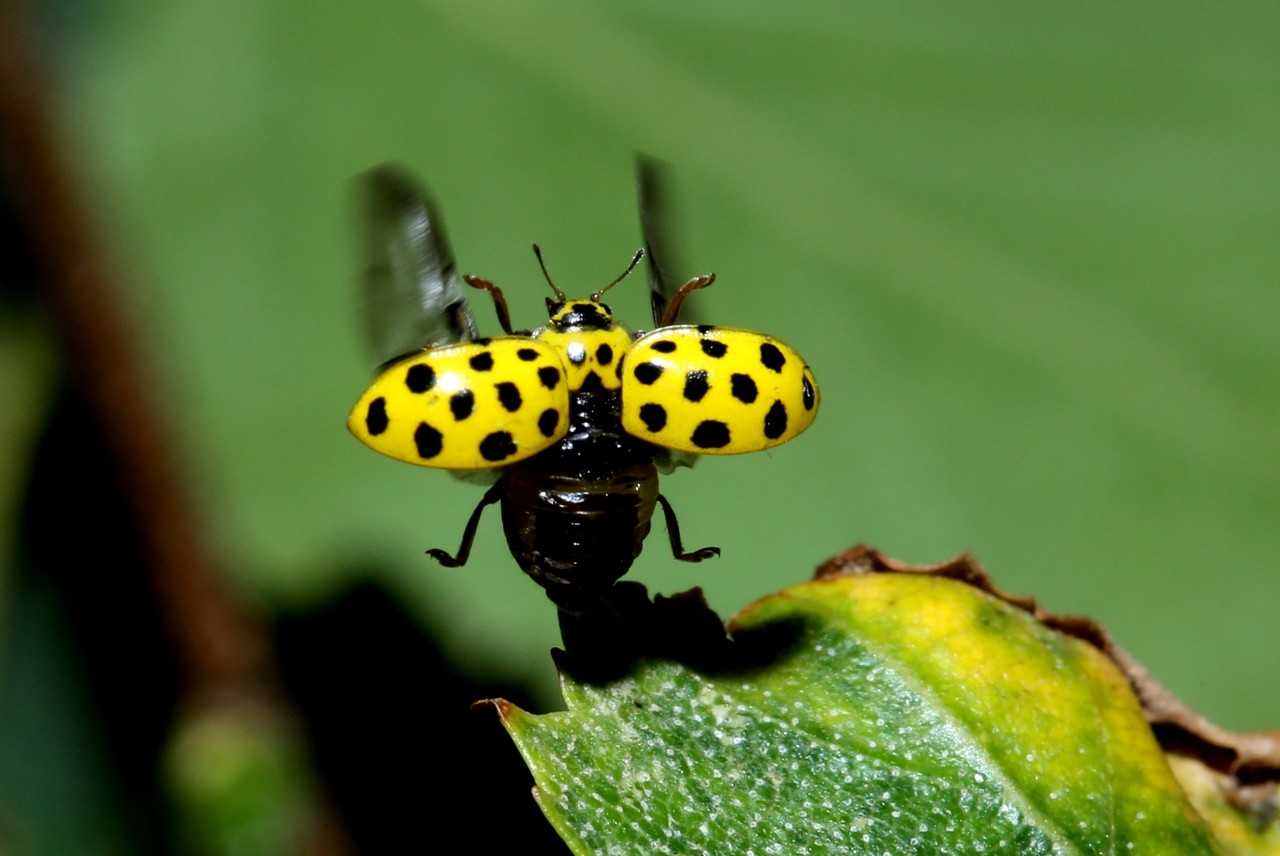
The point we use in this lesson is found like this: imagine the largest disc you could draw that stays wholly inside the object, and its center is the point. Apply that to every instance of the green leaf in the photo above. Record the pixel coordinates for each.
(893, 714)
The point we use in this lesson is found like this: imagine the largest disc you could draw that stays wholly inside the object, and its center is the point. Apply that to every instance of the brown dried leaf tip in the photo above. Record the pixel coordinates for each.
(1248, 762)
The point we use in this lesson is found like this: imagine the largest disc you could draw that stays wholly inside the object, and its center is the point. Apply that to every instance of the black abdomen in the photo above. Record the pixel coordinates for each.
(577, 515)
(576, 536)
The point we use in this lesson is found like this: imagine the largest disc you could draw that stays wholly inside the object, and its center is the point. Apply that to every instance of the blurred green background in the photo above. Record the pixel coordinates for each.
(1030, 251)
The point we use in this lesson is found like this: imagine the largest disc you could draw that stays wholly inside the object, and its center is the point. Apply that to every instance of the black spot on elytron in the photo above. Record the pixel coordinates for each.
(617, 370)
(711, 434)
(713, 348)
(654, 417)
(498, 446)
(375, 418)
(483, 340)
(527, 354)
(428, 440)
(482, 362)
(809, 396)
(743, 388)
(420, 378)
(591, 383)
(548, 421)
(647, 373)
(695, 385)
(704, 329)
(462, 403)
(576, 353)
(772, 357)
(664, 346)
(550, 376)
(775, 421)
(509, 396)
(604, 355)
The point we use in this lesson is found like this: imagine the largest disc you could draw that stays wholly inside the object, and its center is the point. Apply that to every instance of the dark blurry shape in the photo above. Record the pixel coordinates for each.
(17, 260)
(78, 535)
(77, 531)
(409, 765)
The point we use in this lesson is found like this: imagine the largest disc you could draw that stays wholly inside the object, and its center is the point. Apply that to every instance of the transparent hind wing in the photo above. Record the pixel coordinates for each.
(655, 225)
(413, 296)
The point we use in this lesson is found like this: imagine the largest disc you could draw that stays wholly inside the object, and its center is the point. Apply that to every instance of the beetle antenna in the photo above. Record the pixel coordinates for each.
(537, 251)
(635, 260)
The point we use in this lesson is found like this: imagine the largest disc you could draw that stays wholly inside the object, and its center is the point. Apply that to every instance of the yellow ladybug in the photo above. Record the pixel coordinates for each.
(575, 418)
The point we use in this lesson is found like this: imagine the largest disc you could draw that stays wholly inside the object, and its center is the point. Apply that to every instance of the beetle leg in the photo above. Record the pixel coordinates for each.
(677, 300)
(491, 496)
(499, 302)
(673, 532)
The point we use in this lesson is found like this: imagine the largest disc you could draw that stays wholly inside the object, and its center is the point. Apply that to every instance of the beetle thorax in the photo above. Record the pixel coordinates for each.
(590, 342)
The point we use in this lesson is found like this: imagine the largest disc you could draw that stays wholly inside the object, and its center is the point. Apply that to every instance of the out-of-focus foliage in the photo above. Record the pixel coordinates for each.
(234, 776)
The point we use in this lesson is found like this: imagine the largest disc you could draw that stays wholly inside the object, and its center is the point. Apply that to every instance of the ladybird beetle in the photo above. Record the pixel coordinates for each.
(573, 420)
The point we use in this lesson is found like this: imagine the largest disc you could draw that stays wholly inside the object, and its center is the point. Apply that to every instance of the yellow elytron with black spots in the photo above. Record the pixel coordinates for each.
(574, 419)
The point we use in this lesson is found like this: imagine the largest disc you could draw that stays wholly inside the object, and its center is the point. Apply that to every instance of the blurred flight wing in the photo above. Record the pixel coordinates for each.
(413, 296)
(655, 224)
